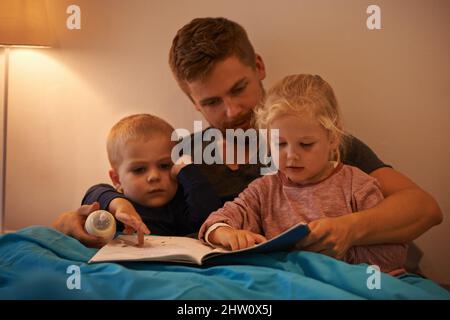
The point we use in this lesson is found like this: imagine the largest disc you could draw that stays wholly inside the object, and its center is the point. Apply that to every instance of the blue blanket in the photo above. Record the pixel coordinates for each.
(41, 263)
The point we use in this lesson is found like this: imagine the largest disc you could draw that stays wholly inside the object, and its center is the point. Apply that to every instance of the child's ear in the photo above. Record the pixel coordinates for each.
(334, 140)
(114, 178)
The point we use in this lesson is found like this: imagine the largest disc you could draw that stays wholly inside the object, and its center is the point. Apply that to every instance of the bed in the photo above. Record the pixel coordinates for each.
(38, 263)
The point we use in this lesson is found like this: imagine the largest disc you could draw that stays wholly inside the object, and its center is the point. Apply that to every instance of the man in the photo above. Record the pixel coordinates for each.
(216, 66)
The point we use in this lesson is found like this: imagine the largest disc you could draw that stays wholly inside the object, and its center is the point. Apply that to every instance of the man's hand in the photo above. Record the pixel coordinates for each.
(329, 236)
(72, 224)
(125, 212)
(233, 239)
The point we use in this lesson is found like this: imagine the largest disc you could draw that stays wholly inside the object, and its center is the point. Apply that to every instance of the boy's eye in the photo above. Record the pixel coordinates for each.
(165, 166)
(282, 144)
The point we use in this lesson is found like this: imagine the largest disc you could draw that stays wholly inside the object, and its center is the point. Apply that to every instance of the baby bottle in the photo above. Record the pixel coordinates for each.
(101, 223)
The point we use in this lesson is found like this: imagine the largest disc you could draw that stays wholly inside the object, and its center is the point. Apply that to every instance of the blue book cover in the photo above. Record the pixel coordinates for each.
(283, 242)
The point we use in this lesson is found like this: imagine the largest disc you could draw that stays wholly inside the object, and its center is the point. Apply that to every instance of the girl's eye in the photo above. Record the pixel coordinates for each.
(306, 145)
(139, 170)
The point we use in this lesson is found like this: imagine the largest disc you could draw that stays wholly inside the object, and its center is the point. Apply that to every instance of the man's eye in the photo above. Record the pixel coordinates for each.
(211, 103)
(139, 170)
(238, 90)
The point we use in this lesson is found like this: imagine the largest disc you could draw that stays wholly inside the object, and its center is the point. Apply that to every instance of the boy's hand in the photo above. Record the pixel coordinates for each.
(182, 162)
(233, 239)
(124, 211)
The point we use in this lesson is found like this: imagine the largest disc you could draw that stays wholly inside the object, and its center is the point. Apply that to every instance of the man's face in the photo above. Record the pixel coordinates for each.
(228, 95)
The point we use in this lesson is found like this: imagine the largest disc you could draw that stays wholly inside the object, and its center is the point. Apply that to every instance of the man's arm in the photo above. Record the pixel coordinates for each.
(406, 212)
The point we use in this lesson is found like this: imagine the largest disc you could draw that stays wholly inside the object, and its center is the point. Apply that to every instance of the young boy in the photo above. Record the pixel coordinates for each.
(150, 191)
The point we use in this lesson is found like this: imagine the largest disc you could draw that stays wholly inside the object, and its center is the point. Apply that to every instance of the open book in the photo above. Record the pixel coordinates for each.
(188, 250)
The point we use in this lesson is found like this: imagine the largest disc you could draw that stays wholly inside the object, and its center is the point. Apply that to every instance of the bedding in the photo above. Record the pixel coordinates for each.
(41, 263)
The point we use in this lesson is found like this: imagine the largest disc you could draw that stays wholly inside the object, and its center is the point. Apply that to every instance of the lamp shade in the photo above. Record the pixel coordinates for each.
(24, 23)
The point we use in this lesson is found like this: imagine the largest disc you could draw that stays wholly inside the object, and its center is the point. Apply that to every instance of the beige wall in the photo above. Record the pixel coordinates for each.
(392, 85)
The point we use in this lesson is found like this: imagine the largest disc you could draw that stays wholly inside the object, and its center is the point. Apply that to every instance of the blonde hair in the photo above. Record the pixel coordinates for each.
(134, 127)
(304, 94)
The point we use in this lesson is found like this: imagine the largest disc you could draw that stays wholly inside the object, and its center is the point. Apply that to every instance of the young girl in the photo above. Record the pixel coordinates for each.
(311, 182)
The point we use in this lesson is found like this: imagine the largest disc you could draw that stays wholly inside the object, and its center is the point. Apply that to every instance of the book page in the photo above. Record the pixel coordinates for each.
(155, 248)
(187, 250)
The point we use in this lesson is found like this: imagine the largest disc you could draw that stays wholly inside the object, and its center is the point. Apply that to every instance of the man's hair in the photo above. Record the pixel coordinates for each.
(203, 42)
(134, 127)
(302, 94)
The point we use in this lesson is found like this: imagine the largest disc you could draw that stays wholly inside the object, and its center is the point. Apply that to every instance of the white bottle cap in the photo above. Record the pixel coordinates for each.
(101, 223)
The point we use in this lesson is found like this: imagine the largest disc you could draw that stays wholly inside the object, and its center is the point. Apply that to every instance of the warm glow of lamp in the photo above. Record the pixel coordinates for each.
(22, 23)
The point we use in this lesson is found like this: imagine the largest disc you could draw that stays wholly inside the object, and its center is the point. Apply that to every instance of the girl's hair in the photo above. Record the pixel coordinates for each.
(134, 127)
(304, 94)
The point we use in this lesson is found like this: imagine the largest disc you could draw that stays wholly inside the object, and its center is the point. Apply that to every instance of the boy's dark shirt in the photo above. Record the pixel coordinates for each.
(183, 215)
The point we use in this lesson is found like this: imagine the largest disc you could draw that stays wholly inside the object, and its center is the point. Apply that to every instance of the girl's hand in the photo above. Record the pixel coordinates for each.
(329, 236)
(233, 239)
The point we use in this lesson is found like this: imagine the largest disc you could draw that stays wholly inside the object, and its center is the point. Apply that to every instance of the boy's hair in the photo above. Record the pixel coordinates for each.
(134, 127)
(203, 42)
(304, 94)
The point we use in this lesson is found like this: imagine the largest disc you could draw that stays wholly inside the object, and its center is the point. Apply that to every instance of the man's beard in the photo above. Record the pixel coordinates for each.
(245, 119)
